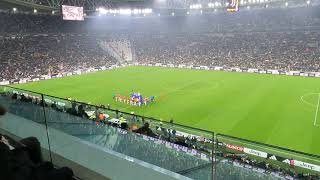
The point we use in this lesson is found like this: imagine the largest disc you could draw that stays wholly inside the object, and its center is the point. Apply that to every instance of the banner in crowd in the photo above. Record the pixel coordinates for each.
(55, 102)
(234, 147)
(234, 69)
(216, 68)
(177, 147)
(255, 152)
(56, 75)
(305, 165)
(273, 157)
(4, 83)
(204, 67)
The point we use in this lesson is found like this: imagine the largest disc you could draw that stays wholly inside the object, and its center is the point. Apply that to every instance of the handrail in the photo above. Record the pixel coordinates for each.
(176, 124)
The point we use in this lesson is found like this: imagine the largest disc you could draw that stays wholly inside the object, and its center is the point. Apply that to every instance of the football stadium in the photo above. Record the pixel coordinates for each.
(160, 89)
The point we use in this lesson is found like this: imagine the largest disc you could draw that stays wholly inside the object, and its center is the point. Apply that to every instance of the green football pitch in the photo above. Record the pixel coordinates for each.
(273, 109)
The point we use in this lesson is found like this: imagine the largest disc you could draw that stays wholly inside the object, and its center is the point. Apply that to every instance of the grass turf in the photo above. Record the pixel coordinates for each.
(278, 110)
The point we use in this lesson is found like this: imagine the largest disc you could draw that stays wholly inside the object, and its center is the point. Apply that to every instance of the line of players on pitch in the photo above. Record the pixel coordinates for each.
(135, 99)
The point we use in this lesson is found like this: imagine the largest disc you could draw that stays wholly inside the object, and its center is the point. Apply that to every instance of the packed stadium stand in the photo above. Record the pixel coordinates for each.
(285, 39)
(34, 45)
(37, 55)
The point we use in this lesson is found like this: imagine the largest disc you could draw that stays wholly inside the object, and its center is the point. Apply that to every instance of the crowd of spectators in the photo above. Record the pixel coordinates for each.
(35, 45)
(263, 50)
(33, 56)
(280, 39)
(28, 56)
(120, 47)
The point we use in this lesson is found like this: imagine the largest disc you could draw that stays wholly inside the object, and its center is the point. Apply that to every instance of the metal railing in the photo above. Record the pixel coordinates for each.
(191, 152)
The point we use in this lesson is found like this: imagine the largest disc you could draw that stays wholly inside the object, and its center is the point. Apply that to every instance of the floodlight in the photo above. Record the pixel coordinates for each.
(125, 11)
(102, 10)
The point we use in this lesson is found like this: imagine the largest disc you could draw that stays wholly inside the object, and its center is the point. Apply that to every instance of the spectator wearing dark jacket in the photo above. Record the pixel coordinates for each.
(22, 160)
(145, 130)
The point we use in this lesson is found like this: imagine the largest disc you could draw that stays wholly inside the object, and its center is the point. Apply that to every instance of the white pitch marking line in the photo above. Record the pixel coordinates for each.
(316, 114)
(306, 102)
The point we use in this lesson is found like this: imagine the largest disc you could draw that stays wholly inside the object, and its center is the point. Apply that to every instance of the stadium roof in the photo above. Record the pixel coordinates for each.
(89, 5)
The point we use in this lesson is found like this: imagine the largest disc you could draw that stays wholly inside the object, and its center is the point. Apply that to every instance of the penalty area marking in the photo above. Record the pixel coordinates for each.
(316, 106)
(302, 98)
